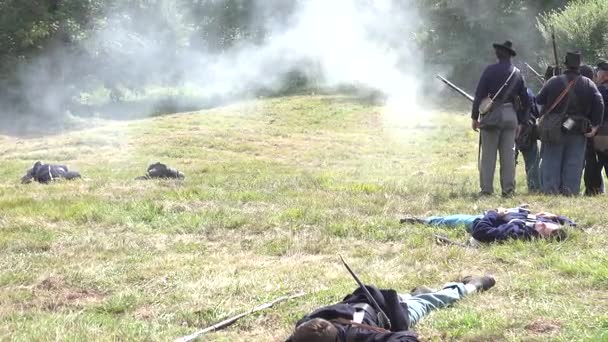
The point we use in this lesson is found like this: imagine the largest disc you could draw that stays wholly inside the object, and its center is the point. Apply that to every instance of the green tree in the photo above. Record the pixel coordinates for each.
(582, 25)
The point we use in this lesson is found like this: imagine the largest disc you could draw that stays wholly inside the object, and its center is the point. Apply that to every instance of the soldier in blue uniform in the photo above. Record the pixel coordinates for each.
(499, 136)
(527, 144)
(355, 319)
(562, 162)
(596, 157)
(46, 173)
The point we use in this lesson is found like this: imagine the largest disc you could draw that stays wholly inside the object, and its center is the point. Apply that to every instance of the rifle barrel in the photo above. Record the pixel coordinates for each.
(540, 78)
(554, 47)
(455, 88)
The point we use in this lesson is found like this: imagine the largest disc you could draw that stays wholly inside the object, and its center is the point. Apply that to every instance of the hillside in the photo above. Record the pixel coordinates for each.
(274, 190)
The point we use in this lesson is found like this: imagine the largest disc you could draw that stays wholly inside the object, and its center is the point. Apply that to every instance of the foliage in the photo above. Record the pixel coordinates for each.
(581, 26)
(453, 34)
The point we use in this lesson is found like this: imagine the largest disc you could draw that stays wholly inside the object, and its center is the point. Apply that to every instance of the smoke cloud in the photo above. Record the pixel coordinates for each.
(363, 43)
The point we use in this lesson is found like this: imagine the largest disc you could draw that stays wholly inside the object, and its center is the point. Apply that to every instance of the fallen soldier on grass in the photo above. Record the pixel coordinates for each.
(503, 224)
(354, 319)
(159, 170)
(45, 173)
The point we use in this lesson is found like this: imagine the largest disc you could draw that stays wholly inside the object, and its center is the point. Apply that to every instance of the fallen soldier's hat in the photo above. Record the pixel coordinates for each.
(45, 173)
(159, 170)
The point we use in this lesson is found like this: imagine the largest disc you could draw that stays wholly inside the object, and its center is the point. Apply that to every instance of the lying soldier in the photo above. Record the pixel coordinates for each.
(159, 170)
(355, 320)
(45, 173)
(503, 224)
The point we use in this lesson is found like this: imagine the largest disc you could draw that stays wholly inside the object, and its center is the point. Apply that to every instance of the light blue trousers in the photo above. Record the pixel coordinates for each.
(561, 166)
(453, 221)
(421, 305)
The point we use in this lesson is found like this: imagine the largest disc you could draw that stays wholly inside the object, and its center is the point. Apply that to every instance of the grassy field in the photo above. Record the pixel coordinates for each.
(275, 189)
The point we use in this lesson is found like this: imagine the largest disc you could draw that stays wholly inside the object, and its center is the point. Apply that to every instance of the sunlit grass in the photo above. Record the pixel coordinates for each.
(274, 189)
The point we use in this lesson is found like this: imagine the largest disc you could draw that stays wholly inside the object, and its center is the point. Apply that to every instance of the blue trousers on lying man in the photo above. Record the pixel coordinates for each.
(454, 221)
(421, 305)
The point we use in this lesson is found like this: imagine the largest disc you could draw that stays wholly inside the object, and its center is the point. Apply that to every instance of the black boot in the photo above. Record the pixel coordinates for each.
(481, 283)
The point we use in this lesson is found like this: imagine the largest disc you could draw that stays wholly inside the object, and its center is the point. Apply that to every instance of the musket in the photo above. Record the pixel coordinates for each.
(382, 317)
(556, 70)
(454, 87)
(539, 77)
(233, 319)
(448, 241)
(470, 98)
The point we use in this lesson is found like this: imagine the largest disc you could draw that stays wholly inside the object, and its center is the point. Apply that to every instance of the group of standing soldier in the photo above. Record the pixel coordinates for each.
(568, 124)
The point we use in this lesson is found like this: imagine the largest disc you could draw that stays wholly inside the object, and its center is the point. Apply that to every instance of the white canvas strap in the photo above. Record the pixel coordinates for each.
(504, 85)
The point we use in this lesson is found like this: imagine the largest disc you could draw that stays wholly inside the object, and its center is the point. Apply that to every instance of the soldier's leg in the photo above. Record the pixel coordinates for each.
(603, 160)
(506, 149)
(420, 305)
(453, 221)
(550, 167)
(592, 174)
(532, 161)
(572, 164)
(71, 175)
(489, 148)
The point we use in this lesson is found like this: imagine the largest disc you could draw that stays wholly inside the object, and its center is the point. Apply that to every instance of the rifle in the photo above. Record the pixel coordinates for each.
(233, 319)
(556, 71)
(444, 240)
(470, 98)
(539, 77)
(454, 87)
(383, 320)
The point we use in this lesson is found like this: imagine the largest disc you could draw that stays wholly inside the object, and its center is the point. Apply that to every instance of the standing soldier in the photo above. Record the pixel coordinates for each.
(527, 144)
(596, 157)
(498, 88)
(575, 104)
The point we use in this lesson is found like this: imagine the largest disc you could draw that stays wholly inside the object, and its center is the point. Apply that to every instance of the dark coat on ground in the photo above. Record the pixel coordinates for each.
(45, 173)
(159, 170)
(390, 304)
(515, 225)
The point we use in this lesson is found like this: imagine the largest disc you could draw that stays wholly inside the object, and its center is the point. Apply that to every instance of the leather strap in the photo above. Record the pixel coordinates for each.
(504, 85)
(560, 97)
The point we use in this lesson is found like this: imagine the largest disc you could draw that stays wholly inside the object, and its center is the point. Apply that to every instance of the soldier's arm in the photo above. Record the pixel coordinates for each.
(523, 116)
(597, 106)
(480, 93)
(363, 335)
(541, 98)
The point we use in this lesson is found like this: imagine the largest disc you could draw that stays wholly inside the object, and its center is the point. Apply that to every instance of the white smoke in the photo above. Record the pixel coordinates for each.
(367, 43)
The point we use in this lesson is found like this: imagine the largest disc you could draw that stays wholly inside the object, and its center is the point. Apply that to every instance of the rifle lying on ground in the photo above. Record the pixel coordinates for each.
(445, 240)
(454, 87)
(233, 319)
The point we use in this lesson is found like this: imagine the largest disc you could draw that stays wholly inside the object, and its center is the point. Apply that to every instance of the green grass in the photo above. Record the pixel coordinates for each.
(275, 189)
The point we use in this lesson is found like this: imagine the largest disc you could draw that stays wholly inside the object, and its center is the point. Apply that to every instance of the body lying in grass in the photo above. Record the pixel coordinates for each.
(45, 173)
(503, 224)
(159, 170)
(355, 320)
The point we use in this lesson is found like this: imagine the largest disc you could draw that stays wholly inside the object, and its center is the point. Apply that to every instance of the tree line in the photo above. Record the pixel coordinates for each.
(454, 33)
